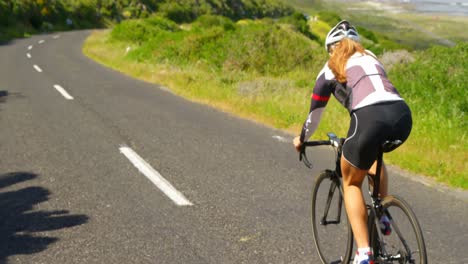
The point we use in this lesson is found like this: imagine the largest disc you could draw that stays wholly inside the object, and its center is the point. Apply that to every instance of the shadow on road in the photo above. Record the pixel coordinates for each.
(19, 220)
(3, 96)
(5, 42)
(6, 96)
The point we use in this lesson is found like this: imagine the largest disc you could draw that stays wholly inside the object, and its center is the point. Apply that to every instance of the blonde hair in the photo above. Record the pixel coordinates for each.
(340, 53)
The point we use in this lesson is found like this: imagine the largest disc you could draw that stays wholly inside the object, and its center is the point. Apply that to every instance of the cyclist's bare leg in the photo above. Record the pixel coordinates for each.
(354, 201)
(383, 178)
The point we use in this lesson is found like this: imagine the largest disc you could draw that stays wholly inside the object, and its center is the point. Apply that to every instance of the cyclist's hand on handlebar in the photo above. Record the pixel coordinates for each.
(297, 143)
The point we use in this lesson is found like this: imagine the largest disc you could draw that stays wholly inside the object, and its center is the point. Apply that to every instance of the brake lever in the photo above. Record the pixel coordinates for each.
(304, 159)
(301, 152)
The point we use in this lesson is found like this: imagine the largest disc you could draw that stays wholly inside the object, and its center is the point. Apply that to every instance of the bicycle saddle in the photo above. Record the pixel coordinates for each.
(390, 145)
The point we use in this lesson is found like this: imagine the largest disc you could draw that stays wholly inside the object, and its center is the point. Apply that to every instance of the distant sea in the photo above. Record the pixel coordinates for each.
(455, 7)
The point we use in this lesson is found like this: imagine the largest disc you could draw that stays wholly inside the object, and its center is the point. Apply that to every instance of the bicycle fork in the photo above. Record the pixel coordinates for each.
(333, 186)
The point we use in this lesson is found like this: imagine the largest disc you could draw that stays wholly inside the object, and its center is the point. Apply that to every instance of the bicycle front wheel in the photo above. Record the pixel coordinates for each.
(405, 244)
(331, 229)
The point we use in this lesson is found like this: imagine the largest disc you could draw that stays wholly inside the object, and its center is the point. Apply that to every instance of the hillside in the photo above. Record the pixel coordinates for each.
(19, 18)
(396, 21)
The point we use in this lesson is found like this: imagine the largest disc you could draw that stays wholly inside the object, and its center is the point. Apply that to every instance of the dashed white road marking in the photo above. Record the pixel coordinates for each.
(41, 41)
(56, 37)
(28, 55)
(154, 176)
(30, 47)
(37, 68)
(63, 92)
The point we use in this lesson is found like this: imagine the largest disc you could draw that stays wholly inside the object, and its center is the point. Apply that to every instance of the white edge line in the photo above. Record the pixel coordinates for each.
(63, 92)
(28, 55)
(37, 68)
(154, 176)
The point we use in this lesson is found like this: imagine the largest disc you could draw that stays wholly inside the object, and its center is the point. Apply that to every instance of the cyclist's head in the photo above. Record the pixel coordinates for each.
(342, 30)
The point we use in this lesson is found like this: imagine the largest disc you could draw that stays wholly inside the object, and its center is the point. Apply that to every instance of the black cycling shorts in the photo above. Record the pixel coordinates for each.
(371, 126)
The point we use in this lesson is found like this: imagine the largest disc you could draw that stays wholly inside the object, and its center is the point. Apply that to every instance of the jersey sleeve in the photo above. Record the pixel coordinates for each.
(319, 99)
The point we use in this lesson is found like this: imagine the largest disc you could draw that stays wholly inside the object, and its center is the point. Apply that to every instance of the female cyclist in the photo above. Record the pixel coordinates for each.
(378, 113)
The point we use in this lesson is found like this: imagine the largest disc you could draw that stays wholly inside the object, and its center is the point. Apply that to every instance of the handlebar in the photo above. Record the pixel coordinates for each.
(302, 153)
(333, 140)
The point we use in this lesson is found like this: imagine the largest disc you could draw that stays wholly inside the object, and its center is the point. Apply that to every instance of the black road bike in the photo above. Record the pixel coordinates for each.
(405, 244)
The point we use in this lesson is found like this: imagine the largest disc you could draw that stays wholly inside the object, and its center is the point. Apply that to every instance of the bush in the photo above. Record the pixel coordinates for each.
(368, 34)
(331, 18)
(437, 82)
(208, 21)
(299, 21)
(177, 12)
(262, 46)
(134, 31)
(142, 30)
(262, 9)
(266, 49)
(161, 23)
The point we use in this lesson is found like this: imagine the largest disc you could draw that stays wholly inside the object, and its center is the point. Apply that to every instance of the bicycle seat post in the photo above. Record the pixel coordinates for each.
(376, 189)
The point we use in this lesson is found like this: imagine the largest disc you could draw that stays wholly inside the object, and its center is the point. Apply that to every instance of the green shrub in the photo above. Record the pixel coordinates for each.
(299, 21)
(262, 9)
(142, 30)
(330, 17)
(161, 23)
(3, 11)
(177, 12)
(267, 49)
(262, 46)
(437, 80)
(134, 31)
(368, 34)
(208, 21)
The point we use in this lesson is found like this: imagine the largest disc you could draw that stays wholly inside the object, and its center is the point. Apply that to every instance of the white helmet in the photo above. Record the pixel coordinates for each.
(342, 30)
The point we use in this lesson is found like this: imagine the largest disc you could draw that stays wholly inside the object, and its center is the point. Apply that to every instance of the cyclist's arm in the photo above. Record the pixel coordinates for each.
(319, 99)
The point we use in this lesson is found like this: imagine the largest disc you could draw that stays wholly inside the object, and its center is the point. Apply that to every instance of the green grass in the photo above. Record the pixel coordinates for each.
(435, 87)
(265, 70)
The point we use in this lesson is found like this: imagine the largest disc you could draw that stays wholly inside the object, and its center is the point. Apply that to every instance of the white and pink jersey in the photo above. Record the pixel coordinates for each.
(367, 84)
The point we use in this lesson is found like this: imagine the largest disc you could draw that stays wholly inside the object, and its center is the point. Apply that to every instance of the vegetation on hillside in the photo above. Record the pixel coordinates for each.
(262, 46)
(20, 17)
(435, 87)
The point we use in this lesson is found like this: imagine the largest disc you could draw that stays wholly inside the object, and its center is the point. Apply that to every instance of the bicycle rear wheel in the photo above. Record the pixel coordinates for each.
(332, 232)
(405, 244)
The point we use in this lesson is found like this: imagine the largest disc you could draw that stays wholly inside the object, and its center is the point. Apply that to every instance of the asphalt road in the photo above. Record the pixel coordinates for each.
(97, 167)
